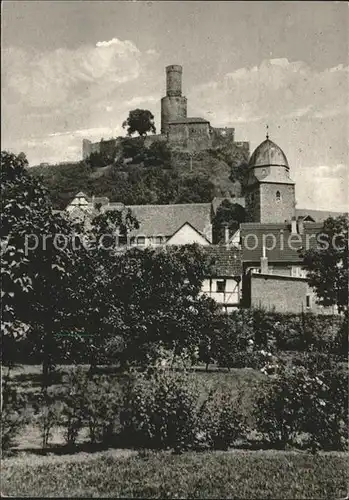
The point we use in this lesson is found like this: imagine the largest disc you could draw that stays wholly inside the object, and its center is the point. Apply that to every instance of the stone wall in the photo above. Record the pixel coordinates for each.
(172, 108)
(274, 209)
(284, 294)
(189, 136)
(264, 205)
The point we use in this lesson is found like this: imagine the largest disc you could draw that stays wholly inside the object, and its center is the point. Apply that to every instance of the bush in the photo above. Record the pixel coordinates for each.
(14, 414)
(221, 424)
(73, 401)
(95, 403)
(162, 411)
(302, 401)
(49, 415)
(325, 400)
(234, 337)
(276, 410)
(101, 409)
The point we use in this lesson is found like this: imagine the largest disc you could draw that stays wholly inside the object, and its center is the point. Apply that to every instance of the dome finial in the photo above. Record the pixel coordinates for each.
(267, 128)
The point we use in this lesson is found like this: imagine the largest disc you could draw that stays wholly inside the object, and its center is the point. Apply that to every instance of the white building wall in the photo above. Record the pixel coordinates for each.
(231, 295)
(187, 235)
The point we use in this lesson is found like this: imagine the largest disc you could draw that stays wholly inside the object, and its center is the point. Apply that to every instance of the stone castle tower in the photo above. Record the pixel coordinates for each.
(173, 105)
(180, 132)
(270, 192)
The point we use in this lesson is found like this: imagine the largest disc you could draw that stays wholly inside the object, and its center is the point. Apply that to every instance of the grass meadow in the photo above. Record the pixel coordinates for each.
(128, 473)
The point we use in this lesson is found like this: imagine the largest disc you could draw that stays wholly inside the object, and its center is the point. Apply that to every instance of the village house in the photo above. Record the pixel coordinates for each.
(260, 265)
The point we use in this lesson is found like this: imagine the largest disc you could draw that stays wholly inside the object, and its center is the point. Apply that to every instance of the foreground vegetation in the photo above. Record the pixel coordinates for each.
(192, 475)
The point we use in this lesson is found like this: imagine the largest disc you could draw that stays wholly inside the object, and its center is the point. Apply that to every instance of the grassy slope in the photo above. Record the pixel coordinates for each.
(191, 475)
(64, 181)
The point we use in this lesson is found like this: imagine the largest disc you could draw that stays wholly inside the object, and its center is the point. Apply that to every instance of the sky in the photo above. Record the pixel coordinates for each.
(74, 69)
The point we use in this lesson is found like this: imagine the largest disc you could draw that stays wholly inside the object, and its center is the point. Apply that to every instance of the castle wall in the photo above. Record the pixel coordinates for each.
(149, 139)
(221, 135)
(89, 147)
(109, 146)
(190, 136)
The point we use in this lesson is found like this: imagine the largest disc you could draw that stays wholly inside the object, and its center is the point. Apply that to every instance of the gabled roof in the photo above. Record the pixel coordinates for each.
(316, 215)
(81, 195)
(287, 246)
(226, 260)
(192, 227)
(167, 219)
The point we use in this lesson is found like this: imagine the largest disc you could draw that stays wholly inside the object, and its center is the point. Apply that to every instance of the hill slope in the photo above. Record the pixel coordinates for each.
(134, 174)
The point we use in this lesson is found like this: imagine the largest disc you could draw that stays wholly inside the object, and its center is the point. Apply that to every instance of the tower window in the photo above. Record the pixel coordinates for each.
(308, 301)
(278, 196)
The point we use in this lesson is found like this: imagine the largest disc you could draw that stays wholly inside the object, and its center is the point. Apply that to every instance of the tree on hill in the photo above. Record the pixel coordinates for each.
(141, 121)
(229, 215)
(327, 265)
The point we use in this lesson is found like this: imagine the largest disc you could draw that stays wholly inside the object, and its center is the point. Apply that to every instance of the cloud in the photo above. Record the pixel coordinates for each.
(64, 76)
(276, 88)
(323, 187)
(135, 101)
(82, 92)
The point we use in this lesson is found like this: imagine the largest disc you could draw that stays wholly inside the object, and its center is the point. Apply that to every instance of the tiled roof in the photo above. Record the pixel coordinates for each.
(115, 205)
(286, 247)
(167, 219)
(226, 261)
(100, 199)
(317, 215)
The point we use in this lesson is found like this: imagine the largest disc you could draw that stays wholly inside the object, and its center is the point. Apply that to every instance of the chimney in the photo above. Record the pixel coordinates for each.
(264, 262)
(226, 234)
(293, 225)
(300, 226)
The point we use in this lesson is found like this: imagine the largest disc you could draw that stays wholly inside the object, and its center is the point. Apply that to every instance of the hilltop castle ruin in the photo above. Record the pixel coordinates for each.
(190, 134)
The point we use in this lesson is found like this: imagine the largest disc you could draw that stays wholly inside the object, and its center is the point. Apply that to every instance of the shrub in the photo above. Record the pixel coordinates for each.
(233, 340)
(304, 401)
(49, 414)
(221, 424)
(325, 400)
(162, 411)
(73, 401)
(276, 409)
(101, 409)
(95, 403)
(14, 414)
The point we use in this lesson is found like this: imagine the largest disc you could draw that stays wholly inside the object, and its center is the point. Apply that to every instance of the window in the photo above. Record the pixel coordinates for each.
(221, 286)
(308, 301)
(278, 196)
(141, 240)
(158, 240)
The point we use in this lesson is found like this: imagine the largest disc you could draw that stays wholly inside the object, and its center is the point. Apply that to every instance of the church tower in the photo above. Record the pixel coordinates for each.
(270, 192)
